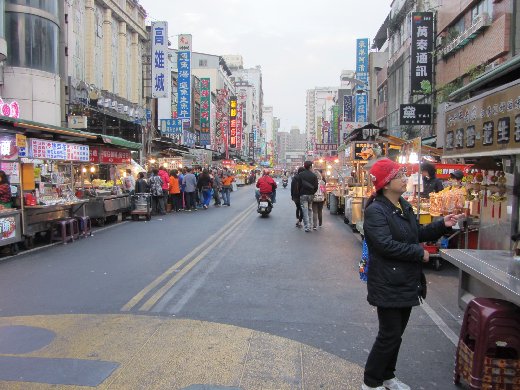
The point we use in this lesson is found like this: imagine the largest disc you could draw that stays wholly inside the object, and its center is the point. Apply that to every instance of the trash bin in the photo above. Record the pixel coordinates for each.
(333, 204)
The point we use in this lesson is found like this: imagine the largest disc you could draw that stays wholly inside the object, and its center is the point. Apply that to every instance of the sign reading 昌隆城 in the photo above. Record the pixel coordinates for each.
(490, 123)
(160, 68)
(421, 66)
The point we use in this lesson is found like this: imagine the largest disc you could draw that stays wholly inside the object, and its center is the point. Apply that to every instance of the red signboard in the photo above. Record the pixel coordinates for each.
(110, 156)
(233, 122)
(442, 171)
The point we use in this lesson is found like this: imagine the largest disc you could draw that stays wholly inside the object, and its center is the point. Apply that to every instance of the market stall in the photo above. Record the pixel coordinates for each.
(482, 130)
(100, 182)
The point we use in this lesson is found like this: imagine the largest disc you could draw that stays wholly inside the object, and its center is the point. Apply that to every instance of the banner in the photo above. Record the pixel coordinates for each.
(335, 125)
(348, 108)
(415, 114)
(58, 150)
(233, 108)
(205, 111)
(361, 107)
(251, 145)
(421, 67)
(240, 126)
(222, 119)
(160, 71)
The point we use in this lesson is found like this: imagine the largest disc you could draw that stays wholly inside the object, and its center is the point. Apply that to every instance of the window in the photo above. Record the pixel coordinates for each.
(50, 6)
(203, 63)
(484, 6)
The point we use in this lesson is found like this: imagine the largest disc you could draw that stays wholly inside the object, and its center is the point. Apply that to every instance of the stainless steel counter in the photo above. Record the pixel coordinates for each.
(485, 273)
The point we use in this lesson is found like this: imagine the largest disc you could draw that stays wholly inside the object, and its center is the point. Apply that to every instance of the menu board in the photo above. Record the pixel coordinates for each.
(58, 150)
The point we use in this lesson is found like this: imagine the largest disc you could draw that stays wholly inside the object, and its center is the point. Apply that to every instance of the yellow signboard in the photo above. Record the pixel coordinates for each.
(21, 141)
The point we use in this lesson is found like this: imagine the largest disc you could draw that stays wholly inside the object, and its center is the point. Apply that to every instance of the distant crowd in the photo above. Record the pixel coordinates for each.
(187, 189)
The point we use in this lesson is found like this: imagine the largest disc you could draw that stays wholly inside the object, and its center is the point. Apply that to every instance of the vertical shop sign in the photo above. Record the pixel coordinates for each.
(252, 145)
(222, 119)
(233, 108)
(362, 59)
(348, 112)
(205, 111)
(184, 78)
(361, 108)
(240, 125)
(421, 68)
(160, 71)
(335, 125)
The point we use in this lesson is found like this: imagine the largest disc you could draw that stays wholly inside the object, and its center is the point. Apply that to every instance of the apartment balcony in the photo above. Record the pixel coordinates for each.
(479, 24)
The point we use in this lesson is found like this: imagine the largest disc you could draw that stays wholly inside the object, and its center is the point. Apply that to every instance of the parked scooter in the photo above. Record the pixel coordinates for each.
(285, 182)
(264, 205)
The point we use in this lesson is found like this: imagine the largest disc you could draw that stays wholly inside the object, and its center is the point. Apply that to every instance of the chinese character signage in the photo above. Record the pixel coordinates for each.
(415, 114)
(421, 66)
(484, 124)
(189, 138)
(222, 119)
(184, 85)
(233, 108)
(361, 107)
(325, 147)
(362, 59)
(160, 68)
(240, 125)
(205, 111)
(58, 150)
(110, 156)
(184, 42)
(171, 126)
(333, 138)
(348, 108)
(7, 228)
(8, 147)
(251, 153)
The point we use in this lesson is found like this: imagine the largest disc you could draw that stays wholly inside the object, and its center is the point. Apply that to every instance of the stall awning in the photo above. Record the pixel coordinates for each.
(400, 142)
(30, 125)
(116, 141)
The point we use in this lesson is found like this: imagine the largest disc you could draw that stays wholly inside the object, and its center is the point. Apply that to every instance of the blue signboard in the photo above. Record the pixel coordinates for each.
(361, 107)
(184, 85)
(362, 59)
(160, 72)
(189, 138)
(348, 109)
(171, 126)
(205, 139)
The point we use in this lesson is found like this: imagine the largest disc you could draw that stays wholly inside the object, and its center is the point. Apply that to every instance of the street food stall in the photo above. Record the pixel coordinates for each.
(485, 130)
(100, 181)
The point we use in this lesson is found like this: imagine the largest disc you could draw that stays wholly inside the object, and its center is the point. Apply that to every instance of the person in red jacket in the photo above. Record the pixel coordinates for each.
(266, 185)
(165, 187)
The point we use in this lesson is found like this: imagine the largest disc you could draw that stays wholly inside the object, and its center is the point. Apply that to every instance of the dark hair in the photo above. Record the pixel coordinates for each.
(307, 164)
(373, 197)
(141, 175)
(430, 168)
(301, 169)
(129, 171)
(155, 171)
(4, 177)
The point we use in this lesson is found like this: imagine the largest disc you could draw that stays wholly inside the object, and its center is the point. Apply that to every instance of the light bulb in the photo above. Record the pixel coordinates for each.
(92, 169)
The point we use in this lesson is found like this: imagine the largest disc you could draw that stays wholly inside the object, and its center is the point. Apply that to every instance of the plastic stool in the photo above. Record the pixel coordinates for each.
(488, 354)
(64, 230)
(85, 225)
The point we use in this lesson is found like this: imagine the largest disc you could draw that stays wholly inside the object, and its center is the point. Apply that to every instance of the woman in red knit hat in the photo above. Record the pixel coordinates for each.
(395, 279)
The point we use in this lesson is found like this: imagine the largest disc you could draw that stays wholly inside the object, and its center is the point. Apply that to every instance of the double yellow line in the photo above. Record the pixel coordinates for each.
(192, 261)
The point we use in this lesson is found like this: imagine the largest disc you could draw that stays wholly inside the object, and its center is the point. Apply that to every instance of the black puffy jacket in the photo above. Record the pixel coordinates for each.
(395, 265)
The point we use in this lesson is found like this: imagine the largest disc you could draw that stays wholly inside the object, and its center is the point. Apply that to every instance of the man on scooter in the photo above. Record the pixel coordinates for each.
(266, 185)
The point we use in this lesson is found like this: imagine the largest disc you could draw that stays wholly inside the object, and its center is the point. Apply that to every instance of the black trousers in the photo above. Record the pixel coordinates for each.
(299, 211)
(380, 365)
(190, 200)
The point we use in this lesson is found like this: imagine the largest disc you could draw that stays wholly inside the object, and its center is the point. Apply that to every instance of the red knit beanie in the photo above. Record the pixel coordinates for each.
(383, 171)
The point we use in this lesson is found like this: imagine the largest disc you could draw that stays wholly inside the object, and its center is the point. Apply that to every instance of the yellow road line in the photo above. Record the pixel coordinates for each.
(139, 296)
(164, 289)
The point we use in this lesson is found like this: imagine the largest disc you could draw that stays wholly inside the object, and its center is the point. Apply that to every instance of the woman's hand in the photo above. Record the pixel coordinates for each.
(451, 220)
(426, 256)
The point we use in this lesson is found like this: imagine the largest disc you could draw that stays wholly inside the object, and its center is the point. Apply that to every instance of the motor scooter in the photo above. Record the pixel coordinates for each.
(284, 183)
(265, 205)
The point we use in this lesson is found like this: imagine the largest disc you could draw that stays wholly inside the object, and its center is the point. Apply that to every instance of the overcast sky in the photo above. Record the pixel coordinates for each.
(299, 44)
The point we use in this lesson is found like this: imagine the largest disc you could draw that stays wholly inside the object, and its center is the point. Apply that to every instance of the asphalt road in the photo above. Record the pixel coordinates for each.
(217, 297)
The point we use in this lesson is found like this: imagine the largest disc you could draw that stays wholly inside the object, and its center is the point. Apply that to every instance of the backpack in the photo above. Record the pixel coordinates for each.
(319, 196)
(156, 186)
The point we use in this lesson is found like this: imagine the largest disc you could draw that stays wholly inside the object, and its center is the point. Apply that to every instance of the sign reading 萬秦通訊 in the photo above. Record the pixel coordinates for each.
(421, 61)
(160, 68)
(415, 114)
(489, 123)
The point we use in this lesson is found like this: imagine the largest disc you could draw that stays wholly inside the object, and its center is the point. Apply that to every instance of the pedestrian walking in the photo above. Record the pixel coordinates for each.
(217, 187)
(317, 202)
(307, 185)
(156, 184)
(190, 183)
(395, 279)
(295, 195)
(183, 187)
(175, 191)
(165, 177)
(227, 182)
(205, 186)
